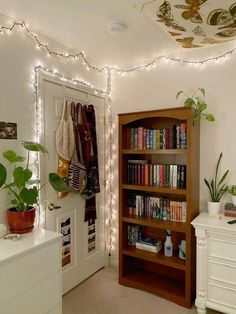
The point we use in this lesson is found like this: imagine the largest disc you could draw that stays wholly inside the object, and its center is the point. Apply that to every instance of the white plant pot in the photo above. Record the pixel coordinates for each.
(213, 208)
(233, 199)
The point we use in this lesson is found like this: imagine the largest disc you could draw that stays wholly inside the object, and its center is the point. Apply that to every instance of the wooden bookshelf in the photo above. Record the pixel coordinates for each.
(168, 277)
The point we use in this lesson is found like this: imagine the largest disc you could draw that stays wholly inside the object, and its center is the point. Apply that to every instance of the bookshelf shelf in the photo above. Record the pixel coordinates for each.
(156, 223)
(171, 289)
(154, 151)
(174, 161)
(159, 189)
(159, 258)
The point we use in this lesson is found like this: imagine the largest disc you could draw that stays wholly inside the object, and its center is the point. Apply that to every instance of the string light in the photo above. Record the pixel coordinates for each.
(89, 66)
(70, 57)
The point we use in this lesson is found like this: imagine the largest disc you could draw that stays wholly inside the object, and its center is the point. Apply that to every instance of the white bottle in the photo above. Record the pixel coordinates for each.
(168, 247)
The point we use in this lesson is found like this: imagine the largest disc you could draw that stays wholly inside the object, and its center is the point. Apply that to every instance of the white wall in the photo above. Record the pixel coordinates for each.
(157, 88)
(142, 90)
(18, 57)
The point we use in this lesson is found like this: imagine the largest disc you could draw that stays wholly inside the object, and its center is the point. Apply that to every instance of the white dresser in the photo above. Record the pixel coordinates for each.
(30, 274)
(216, 264)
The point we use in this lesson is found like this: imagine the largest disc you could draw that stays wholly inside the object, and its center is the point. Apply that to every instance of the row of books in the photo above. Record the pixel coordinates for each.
(141, 172)
(156, 207)
(167, 138)
(135, 238)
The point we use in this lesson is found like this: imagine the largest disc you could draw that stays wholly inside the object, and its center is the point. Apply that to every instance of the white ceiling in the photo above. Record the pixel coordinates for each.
(81, 24)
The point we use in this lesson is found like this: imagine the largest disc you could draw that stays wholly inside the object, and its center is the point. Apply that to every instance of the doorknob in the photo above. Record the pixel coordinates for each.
(51, 206)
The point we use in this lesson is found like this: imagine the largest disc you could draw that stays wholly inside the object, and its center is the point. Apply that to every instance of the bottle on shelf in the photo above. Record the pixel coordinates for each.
(168, 247)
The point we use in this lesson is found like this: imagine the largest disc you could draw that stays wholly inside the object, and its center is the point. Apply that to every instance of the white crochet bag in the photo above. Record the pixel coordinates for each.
(65, 141)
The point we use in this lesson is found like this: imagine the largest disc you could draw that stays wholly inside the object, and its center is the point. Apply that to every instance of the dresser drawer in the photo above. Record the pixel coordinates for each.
(222, 272)
(25, 272)
(224, 248)
(222, 294)
(39, 300)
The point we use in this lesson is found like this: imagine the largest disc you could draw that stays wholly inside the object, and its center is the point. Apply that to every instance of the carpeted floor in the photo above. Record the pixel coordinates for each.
(101, 294)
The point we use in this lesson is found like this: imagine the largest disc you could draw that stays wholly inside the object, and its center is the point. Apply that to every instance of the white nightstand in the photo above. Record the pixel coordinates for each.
(216, 264)
(30, 274)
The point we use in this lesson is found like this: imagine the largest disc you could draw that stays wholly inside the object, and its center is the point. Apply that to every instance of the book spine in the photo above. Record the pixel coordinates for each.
(157, 139)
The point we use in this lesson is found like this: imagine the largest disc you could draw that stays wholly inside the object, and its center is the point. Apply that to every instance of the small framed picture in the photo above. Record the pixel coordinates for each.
(8, 131)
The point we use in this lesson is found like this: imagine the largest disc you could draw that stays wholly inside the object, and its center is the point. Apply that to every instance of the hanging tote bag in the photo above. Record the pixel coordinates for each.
(77, 170)
(65, 144)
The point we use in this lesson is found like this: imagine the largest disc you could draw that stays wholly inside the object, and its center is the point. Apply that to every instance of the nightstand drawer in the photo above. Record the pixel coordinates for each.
(222, 295)
(224, 248)
(222, 272)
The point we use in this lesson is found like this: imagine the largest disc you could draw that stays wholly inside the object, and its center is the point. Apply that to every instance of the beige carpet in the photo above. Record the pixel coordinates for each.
(101, 294)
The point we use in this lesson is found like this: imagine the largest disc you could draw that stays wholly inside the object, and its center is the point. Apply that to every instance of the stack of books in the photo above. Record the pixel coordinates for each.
(149, 244)
(230, 210)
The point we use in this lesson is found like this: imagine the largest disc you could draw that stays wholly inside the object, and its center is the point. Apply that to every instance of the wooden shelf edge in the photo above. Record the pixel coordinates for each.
(177, 296)
(151, 188)
(159, 258)
(178, 151)
(156, 223)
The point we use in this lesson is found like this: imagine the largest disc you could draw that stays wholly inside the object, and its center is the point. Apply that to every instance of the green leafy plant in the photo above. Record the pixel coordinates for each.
(23, 190)
(198, 103)
(232, 189)
(217, 187)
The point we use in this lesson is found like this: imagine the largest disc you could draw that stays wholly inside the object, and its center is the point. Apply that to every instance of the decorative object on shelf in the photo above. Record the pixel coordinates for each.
(182, 249)
(23, 189)
(217, 189)
(197, 102)
(230, 210)
(168, 245)
(232, 191)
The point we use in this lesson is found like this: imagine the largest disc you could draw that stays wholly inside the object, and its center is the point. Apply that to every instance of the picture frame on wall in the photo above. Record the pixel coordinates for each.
(8, 130)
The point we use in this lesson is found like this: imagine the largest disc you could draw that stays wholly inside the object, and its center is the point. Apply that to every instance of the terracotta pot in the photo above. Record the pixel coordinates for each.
(20, 221)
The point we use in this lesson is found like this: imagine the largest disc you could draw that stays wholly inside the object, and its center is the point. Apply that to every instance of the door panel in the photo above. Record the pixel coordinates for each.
(82, 245)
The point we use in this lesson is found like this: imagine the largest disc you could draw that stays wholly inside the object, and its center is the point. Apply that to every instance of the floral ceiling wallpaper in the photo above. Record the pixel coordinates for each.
(193, 23)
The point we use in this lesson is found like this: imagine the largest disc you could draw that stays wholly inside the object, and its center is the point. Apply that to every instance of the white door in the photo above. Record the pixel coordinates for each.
(83, 248)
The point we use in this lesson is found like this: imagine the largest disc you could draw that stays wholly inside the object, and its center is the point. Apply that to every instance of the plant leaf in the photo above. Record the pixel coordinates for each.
(57, 183)
(21, 176)
(223, 177)
(34, 147)
(209, 187)
(217, 168)
(189, 102)
(14, 202)
(3, 174)
(179, 93)
(202, 90)
(210, 117)
(11, 156)
(29, 196)
(201, 105)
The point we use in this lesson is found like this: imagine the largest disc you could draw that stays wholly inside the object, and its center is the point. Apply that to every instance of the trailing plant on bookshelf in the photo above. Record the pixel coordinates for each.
(197, 102)
(158, 195)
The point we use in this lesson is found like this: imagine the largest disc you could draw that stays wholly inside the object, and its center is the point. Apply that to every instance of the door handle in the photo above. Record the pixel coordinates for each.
(51, 206)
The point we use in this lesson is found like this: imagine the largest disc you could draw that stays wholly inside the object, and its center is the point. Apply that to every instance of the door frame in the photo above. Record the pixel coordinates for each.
(45, 76)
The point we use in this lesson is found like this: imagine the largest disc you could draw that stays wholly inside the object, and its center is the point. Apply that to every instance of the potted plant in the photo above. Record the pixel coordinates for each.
(23, 191)
(232, 191)
(197, 102)
(217, 189)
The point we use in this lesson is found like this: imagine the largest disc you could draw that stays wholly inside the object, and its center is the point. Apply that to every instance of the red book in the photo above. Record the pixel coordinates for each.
(146, 174)
(167, 135)
(140, 137)
(160, 175)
